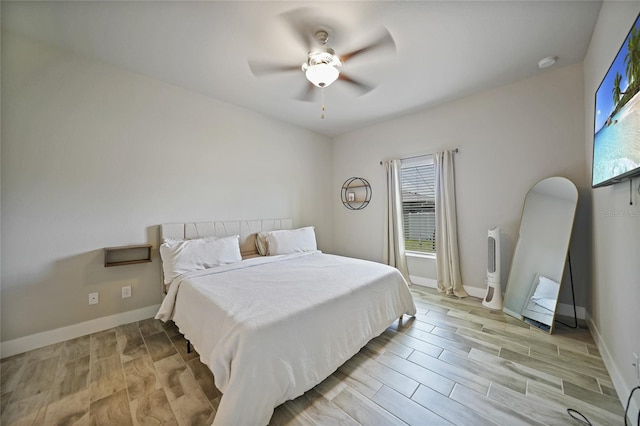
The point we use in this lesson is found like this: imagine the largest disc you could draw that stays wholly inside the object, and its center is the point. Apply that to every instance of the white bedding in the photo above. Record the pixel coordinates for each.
(270, 328)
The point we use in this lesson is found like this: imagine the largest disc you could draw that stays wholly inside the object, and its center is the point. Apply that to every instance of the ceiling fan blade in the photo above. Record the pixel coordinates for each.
(265, 68)
(308, 94)
(383, 40)
(301, 22)
(362, 87)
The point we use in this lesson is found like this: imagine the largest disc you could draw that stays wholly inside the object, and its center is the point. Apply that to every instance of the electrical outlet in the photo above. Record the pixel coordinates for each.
(636, 365)
(126, 291)
(93, 298)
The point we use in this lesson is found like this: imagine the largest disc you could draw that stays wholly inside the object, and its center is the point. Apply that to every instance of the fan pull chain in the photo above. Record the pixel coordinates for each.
(323, 107)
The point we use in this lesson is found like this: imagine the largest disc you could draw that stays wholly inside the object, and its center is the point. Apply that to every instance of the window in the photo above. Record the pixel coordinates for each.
(418, 181)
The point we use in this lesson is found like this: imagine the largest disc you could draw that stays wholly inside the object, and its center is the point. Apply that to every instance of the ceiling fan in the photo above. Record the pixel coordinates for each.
(322, 66)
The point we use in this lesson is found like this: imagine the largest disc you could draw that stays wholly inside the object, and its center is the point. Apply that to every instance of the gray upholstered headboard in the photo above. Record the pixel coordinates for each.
(246, 229)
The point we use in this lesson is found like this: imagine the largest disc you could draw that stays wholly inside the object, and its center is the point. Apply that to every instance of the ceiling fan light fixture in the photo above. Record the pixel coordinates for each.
(322, 75)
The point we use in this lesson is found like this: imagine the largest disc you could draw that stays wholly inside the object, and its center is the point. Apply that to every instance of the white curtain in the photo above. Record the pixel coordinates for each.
(393, 253)
(447, 259)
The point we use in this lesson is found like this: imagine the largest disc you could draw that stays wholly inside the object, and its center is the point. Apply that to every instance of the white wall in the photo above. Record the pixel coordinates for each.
(95, 156)
(509, 138)
(615, 295)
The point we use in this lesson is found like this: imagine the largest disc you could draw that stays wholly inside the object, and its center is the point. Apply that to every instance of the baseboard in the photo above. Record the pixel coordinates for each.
(619, 384)
(431, 283)
(424, 282)
(480, 293)
(45, 338)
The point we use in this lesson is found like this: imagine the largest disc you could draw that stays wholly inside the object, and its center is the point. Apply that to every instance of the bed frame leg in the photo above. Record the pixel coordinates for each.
(188, 347)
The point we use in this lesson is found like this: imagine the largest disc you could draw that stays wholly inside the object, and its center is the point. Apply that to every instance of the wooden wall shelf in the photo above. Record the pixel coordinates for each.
(127, 255)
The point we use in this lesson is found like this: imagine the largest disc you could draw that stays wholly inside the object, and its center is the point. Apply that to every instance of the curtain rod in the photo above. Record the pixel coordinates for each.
(453, 151)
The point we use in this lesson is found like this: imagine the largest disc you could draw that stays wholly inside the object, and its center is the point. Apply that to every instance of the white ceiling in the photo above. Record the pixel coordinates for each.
(444, 49)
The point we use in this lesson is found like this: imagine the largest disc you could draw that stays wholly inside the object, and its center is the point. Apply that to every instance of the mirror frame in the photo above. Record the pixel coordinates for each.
(534, 255)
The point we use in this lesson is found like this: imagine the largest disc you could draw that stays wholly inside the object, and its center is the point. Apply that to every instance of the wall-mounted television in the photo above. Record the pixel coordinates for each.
(616, 140)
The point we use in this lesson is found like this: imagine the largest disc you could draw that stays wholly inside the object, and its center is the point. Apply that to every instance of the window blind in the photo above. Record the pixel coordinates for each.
(417, 176)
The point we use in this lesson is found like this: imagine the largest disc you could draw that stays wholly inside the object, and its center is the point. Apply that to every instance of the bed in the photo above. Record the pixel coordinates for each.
(271, 327)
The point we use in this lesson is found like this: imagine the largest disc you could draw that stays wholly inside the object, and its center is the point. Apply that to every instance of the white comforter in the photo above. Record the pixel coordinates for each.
(271, 328)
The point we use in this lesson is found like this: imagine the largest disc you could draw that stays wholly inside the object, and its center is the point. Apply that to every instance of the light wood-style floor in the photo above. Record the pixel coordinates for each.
(456, 362)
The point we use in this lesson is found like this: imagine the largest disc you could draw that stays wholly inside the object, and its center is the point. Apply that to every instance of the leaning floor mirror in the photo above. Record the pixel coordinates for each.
(539, 259)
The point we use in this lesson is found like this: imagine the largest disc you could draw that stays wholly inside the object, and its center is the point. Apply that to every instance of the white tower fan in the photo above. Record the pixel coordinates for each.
(493, 298)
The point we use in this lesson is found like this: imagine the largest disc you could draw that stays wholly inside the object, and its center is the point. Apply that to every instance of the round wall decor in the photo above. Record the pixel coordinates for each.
(356, 193)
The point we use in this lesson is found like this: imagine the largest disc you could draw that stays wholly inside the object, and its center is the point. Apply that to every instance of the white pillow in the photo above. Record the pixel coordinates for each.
(262, 244)
(180, 256)
(292, 241)
(546, 289)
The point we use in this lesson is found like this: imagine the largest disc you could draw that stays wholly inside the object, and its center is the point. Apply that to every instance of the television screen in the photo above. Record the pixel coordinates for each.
(616, 141)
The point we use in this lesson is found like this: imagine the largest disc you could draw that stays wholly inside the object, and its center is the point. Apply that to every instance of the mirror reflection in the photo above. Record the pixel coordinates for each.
(542, 301)
(539, 259)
